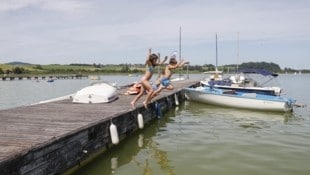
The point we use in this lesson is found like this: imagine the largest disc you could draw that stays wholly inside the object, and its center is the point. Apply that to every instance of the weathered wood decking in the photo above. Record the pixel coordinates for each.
(49, 138)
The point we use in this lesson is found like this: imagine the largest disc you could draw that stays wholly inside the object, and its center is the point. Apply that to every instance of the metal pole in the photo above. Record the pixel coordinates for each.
(237, 51)
(180, 50)
(216, 64)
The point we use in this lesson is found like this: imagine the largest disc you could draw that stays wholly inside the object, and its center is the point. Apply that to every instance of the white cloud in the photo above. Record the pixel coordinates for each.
(13, 5)
(61, 29)
(65, 6)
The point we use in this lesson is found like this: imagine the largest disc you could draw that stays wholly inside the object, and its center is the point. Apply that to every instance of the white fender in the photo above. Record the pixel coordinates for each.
(140, 121)
(176, 99)
(114, 134)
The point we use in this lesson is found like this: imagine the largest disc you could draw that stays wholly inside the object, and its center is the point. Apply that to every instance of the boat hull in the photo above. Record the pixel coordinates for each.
(250, 101)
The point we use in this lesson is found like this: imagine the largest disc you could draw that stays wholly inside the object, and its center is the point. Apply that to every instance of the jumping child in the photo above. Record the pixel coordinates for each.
(165, 79)
(151, 61)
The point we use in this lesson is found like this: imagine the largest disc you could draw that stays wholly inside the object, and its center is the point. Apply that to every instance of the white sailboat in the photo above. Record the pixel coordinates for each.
(235, 99)
(244, 83)
(241, 81)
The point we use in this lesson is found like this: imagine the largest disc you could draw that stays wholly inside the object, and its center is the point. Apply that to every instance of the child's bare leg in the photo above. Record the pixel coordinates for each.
(133, 102)
(145, 104)
(155, 93)
(149, 90)
(147, 100)
(170, 87)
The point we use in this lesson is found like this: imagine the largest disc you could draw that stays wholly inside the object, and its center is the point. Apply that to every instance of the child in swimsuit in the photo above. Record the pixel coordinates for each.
(151, 62)
(165, 79)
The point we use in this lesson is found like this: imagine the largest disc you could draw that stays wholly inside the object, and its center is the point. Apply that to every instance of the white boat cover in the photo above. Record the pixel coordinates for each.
(96, 93)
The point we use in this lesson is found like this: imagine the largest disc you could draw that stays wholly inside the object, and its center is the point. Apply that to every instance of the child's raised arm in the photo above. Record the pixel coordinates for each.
(162, 62)
(182, 62)
(148, 54)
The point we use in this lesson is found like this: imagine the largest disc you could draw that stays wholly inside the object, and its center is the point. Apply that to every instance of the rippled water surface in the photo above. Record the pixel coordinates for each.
(25, 92)
(201, 139)
(196, 139)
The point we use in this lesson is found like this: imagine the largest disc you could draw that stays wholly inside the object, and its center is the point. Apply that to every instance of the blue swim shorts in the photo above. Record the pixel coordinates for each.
(165, 82)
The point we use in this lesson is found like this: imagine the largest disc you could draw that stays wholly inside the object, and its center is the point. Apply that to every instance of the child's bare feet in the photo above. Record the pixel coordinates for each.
(145, 104)
(133, 105)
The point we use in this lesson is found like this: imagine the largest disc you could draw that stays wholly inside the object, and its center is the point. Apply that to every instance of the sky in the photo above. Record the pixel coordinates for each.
(121, 31)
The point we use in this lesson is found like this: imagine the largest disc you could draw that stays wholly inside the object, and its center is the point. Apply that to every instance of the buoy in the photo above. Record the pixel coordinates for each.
(140, 121)
(114, 134)
(176, 99)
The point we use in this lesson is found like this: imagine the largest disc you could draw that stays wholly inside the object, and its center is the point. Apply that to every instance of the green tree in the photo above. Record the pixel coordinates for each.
(18, 70)
(261, 65)
(8, 71)
(125, 68)
(38, 67)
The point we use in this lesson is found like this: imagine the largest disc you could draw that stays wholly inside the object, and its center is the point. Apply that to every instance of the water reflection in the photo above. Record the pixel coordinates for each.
(209, 140)
(138, 150)
(237, 114)
(250, 120)
(154, 153)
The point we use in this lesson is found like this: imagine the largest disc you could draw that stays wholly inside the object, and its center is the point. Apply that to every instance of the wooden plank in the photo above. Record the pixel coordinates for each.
(24, 128)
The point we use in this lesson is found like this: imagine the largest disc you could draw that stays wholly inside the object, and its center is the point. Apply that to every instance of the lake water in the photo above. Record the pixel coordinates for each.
(195, 138)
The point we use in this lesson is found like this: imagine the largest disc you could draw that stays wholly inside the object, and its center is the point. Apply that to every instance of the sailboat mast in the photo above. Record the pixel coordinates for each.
(216, 63)
(180, 30)
(237, 51)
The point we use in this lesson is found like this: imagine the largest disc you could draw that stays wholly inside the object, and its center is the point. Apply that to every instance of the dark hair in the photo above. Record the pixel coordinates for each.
(173, 61)
(153, 57)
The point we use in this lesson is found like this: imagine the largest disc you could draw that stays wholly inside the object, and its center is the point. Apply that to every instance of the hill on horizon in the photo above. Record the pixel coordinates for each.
(18, 63)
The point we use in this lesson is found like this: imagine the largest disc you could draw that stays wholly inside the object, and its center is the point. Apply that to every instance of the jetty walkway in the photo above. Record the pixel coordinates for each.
(54, 137)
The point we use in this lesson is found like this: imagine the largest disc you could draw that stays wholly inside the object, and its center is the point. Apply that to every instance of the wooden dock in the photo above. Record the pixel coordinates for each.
(51, 138)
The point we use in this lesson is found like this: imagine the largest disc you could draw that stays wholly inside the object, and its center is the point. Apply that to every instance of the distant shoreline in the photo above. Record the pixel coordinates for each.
(18, 69)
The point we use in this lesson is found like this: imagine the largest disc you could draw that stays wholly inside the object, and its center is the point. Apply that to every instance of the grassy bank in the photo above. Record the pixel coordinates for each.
(56, 69)
(7, 70)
